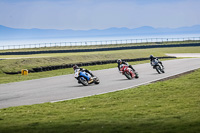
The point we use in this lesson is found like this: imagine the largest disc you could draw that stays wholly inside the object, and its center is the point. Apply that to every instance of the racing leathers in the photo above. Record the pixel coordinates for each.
(123, 62)
(87, 71)
(153, 59)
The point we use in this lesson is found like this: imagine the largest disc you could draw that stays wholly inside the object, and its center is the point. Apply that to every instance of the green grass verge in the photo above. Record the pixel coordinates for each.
(13, 65)
(163, 107)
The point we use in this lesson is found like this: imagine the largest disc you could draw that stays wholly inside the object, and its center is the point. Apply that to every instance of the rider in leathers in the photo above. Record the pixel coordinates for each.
(75, 67)
(119, 62)
(152, 58)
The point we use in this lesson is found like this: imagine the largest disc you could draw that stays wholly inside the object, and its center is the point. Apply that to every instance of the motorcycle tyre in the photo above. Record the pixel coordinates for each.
(128, 75)
(136, 76)
(163, 71)
(85, 83)
(158, 69)
(96, 80)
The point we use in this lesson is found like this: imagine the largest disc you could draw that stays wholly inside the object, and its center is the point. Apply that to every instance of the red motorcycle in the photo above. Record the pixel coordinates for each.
(128, 72)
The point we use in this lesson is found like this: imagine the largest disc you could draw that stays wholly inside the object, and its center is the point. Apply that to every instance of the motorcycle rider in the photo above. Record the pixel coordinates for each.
(76, 68)
(152, 59)
(119, 62)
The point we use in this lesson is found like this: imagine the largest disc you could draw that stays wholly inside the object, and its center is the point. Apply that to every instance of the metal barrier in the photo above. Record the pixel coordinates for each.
(101, 49)
(103, 42)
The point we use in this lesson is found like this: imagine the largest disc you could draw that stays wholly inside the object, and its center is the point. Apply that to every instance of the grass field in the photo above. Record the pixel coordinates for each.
(13, 65)
(163, 107)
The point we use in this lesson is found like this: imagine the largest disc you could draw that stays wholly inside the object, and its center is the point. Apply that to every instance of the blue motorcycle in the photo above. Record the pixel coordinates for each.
(85, 78)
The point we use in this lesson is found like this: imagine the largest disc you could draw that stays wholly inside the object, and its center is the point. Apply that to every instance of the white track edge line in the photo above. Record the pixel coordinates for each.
(145, 83)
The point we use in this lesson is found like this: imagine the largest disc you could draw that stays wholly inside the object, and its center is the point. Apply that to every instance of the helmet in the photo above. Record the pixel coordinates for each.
(75, 67)
(151, 57)
(119, 61)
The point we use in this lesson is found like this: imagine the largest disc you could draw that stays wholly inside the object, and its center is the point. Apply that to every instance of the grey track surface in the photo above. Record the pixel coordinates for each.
(185, 54)
(66, 87)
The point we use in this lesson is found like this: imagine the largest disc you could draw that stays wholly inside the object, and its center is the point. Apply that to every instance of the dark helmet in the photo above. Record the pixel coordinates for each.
(119, 61)
(151, 57)
(75, 67)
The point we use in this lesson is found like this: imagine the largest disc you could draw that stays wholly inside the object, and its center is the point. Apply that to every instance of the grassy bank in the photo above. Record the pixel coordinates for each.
(167, 106)
(13, 65)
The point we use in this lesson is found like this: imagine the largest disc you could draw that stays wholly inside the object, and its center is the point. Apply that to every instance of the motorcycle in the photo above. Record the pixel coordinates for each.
(128, 72)
(85, 78)
(156, 65)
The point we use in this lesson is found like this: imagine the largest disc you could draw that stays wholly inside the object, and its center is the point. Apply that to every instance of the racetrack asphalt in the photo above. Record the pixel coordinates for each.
(66, 87)
(184, 54)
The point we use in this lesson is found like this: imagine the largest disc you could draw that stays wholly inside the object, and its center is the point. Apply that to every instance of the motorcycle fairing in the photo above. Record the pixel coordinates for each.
(86, 75)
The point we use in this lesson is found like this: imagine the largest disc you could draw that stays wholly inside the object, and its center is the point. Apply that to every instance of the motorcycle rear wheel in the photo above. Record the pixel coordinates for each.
(136, 75)
(96, 80)
(163, 71)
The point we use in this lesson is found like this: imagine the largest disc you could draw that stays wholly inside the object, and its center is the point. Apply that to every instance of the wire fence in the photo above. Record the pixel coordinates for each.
(103, 42)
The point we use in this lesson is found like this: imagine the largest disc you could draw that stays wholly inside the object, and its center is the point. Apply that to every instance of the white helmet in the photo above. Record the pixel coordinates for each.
(119, 61)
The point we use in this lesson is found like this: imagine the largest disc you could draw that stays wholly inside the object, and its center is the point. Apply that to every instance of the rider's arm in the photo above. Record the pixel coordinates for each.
(123, 62)
(82, 69)
(86, 70)
(89, 72)
(118, 67)
(151, 62)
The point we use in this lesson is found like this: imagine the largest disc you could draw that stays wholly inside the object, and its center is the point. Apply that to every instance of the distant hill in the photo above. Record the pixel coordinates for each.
(12, 33)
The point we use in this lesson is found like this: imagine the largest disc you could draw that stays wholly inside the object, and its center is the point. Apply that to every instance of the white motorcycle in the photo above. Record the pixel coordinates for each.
(156, 65)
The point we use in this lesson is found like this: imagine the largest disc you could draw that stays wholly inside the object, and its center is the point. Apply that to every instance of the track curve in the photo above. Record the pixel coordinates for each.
(65, 87)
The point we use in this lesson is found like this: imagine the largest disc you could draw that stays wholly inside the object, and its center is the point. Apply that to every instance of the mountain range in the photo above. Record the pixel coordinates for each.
(14, 33)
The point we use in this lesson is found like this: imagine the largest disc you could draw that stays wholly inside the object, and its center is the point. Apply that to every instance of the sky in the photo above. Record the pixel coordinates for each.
(98, 14)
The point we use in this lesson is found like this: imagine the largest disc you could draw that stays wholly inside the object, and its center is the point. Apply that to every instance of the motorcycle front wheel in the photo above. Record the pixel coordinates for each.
(158, 69)
(83, 81)
(128, 75)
